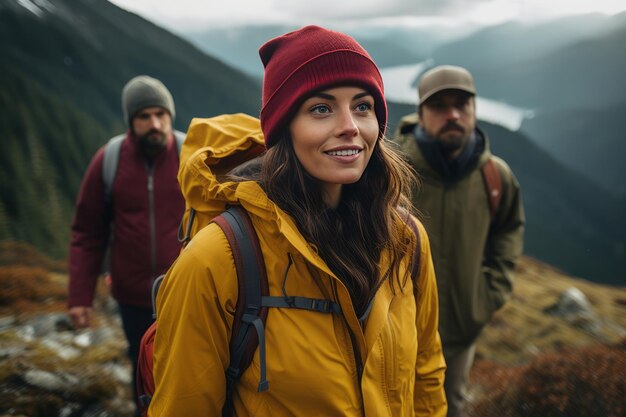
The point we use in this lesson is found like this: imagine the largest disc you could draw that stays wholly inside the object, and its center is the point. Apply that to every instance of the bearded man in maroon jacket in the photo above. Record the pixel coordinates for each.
(136, 216)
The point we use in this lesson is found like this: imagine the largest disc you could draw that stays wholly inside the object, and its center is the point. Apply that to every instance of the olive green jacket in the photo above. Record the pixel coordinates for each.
(474, 256)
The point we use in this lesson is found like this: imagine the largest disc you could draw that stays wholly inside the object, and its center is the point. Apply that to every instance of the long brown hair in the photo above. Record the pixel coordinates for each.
(371, 216)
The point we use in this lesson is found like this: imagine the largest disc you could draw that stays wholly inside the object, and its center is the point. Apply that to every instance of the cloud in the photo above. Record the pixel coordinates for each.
(186, 15)
(333, 9)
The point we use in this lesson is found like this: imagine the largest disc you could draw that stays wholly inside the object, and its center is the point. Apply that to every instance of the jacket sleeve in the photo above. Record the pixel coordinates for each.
(505, 241)
(429, 396)
(195, 305)
(89, 236)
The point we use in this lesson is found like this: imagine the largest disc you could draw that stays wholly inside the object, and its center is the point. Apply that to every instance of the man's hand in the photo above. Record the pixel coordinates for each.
(81, 316)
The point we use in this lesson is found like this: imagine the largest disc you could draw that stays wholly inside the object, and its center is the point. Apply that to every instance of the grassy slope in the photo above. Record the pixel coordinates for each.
(521, 330)
(530, 363)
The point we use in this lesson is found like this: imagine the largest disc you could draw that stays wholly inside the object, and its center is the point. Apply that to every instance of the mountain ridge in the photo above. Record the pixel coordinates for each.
(569, 65)
(62, 95)
(61, 99)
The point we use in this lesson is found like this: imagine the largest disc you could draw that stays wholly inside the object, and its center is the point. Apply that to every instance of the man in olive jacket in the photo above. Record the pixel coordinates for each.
(475, 245)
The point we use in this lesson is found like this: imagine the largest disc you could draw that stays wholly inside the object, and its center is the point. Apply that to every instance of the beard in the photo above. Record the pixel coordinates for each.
(152, 142)
(452, 137)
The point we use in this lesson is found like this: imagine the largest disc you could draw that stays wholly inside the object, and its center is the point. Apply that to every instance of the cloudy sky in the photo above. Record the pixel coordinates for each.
(196, 14)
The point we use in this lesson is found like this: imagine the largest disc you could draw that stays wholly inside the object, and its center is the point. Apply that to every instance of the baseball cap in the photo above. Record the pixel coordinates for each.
(444, 77)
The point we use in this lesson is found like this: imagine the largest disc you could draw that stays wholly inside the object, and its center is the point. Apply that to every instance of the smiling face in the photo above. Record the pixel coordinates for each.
(334, 133)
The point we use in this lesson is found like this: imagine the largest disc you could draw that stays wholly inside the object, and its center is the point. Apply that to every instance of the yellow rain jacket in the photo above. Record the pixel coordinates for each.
(312, 358)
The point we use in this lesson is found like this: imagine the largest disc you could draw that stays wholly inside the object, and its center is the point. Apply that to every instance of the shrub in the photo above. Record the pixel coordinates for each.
(582, 383)
(26, 288)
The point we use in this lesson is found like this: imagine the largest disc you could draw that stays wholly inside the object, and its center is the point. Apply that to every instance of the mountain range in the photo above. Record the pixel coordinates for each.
(390, 45)
(568, 71)
(65, 63)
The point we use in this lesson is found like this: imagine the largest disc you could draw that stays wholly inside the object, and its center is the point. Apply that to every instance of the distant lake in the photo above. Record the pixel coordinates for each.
(401, 87)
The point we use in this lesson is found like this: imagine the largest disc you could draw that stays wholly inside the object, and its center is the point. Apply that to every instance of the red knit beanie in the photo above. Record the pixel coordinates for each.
(311, 59)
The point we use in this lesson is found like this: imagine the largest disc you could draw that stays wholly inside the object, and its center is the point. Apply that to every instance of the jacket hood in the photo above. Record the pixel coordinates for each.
(212, 148)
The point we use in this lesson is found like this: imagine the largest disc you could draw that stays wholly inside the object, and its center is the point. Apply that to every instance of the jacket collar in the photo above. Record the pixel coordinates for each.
(449, 170)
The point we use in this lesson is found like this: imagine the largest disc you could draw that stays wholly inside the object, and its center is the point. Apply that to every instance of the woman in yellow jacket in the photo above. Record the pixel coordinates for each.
(330, 206)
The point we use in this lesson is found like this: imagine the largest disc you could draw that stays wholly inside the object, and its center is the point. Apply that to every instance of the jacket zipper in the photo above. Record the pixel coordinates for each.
(359, 367)
(153, 250)
(355, 352)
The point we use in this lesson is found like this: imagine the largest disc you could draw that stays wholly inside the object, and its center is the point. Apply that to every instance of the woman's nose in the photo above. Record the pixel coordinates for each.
(346, 125)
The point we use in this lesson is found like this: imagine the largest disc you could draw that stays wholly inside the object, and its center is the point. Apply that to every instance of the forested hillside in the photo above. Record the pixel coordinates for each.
(63, 66)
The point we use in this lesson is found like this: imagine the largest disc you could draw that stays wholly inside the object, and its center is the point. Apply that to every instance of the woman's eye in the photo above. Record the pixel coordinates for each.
(320, 109)
(363, 107)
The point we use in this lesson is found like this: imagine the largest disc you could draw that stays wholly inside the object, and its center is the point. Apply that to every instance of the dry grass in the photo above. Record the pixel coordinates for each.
(20, 253)
(530, 363)
(29, 281)
(522, 330)
(27, 289)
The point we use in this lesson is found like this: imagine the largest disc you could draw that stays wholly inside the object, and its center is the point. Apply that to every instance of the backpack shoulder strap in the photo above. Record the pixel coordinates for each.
(248, 326)
(253, 302)
(493, 186)
(110, 162)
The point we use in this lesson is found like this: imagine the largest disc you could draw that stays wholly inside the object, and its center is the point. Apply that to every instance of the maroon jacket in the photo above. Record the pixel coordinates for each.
(142, 234)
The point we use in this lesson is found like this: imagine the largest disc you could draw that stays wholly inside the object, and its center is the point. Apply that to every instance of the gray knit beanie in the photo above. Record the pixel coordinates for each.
(144, 91)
